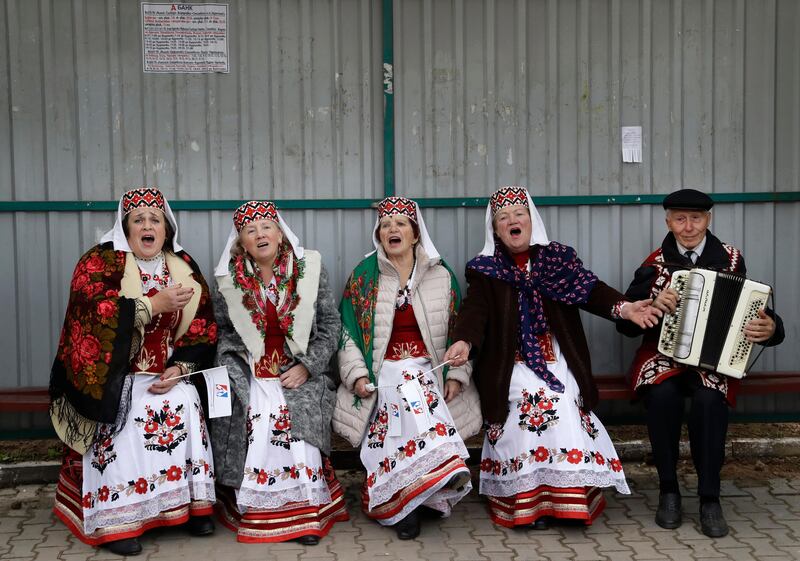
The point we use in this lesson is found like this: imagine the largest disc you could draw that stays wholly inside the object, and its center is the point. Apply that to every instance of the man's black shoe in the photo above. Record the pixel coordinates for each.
(668, 514)
(128, 546)
(408, 527)
(712, 521)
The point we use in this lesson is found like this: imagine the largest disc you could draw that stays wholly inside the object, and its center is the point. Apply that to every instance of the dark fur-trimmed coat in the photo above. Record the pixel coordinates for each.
(311, 404)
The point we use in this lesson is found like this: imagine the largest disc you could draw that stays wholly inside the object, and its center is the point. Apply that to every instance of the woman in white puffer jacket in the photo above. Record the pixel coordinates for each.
(408, 419)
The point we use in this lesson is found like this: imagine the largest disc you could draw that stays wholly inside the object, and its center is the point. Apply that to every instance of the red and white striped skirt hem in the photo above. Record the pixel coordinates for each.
(288, 522)
(570, 503)
(414, 494)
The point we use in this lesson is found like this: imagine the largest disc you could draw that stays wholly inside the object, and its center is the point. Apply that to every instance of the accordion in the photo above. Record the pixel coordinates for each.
(707, 327)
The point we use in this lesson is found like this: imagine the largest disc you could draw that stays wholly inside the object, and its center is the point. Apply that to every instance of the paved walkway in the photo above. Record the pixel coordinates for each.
(764, 517)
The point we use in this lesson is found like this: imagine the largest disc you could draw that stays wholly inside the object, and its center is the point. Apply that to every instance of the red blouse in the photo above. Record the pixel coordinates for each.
(521, 259)
(274, 358)
(406, 340)
(158, 336)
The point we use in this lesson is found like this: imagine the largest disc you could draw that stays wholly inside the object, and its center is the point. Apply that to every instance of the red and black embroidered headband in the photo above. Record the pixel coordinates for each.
(392, 206)
(508, 196)
(252, 211)
(142, 197)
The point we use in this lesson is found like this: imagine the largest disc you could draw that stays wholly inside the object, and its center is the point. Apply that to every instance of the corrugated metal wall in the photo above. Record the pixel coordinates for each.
(487, 93)
(296, 116)
(534, 92)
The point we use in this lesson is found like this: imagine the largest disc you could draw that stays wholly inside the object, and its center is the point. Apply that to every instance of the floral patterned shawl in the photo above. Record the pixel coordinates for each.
(357, 307)
(297, 283)
(94, 350)
(557, 274)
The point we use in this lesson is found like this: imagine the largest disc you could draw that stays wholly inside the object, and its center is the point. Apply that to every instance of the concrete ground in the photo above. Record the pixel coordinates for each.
(763, 511)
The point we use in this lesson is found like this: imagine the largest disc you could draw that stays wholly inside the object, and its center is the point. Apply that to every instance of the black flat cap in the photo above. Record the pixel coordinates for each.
(689, 199)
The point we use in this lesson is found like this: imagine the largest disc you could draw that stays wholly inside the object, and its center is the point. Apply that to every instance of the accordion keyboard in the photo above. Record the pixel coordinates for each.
(671, 322)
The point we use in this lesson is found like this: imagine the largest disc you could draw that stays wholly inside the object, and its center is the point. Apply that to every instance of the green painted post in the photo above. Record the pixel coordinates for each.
(388, 98)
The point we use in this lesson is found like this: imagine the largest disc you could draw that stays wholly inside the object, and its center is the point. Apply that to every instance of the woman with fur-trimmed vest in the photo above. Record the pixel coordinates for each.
(278, 329)
(408, 418)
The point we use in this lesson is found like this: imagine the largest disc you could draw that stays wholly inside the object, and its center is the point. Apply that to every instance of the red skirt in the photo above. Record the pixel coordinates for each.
(289, 522)
(571, 503)
(69, 508)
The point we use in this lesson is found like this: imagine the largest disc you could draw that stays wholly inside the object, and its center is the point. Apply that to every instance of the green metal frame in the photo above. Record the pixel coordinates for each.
(345, 204)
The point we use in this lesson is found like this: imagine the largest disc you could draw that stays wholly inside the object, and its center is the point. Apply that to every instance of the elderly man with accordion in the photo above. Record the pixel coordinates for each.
(664, 378)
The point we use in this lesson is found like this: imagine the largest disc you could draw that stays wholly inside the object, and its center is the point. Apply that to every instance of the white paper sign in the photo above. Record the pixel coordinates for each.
(632, 144)
(218, 387)
(395, 423)
(412, 391)
(185, 38)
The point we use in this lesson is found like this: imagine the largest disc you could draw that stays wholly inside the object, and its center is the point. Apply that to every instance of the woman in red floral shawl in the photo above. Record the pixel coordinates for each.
(139, 318)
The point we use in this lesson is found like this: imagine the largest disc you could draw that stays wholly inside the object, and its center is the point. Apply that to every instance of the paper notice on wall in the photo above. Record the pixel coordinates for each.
(185, 38)
(632, 144)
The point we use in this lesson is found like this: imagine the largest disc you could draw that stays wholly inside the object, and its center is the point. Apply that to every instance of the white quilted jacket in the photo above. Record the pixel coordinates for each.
(431, 304)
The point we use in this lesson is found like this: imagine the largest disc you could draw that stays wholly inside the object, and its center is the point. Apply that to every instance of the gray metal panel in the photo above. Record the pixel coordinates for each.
(298, 115)
(10, 318)
(787, 94)
(6, 138)
(498, 92)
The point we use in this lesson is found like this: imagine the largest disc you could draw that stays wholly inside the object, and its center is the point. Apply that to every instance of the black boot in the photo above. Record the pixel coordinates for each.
(128, 546)
(308, 539)
(201, 525)
(408, 527)
(542, 523)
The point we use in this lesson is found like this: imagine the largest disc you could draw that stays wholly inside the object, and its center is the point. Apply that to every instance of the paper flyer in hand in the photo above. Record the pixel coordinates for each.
(218, 386)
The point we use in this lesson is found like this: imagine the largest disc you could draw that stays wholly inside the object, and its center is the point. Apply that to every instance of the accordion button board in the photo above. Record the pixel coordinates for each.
(707, 327)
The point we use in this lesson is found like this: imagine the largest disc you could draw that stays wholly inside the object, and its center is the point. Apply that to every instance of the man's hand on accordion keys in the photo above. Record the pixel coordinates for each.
(760, 329)
(641, 312)
(667, 301)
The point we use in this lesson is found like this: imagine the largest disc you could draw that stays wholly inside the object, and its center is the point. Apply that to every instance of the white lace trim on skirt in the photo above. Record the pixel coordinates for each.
(554, 478)
(146, 510)
(251, 499)
(438, 498)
